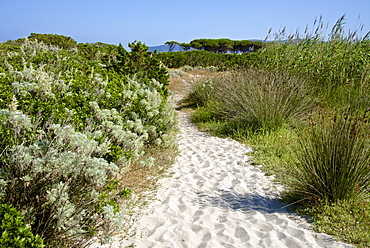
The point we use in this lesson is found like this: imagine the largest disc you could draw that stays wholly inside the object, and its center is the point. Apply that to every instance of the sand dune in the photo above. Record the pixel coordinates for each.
(215, 198)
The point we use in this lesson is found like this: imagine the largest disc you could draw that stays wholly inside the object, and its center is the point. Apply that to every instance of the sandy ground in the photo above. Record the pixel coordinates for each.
(215, 198)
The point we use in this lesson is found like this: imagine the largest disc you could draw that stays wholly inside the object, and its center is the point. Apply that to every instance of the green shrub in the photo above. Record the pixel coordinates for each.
(205, 114)
(265, 100)
(56, 183)
(54, 39)
(140, 63)
(14, 232)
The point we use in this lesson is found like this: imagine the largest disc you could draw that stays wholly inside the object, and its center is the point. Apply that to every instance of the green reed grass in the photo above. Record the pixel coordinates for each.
(333, 61)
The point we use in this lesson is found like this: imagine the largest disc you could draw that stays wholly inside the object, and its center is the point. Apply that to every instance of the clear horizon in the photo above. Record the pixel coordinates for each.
(155, 22)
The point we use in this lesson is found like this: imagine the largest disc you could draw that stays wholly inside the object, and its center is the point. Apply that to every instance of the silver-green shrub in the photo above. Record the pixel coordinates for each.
(57, 180)
(70, 130)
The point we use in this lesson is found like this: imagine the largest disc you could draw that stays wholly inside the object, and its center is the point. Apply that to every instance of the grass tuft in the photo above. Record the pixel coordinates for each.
(333, 157)
(264, 100)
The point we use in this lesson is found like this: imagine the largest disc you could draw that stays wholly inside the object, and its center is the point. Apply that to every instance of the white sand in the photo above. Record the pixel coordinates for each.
(215, 198)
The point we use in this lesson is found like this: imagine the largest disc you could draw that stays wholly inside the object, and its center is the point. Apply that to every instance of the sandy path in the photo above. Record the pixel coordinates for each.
(215, 198)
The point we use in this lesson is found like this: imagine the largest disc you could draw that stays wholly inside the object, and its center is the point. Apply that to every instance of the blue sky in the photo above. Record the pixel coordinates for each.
(156, 21)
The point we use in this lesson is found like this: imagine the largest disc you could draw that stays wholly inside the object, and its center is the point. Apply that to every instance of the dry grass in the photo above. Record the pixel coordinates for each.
(181, 80)
(141, 178)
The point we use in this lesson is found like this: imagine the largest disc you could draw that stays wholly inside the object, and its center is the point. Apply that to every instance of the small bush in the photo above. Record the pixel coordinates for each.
(205, 114)
(333, 158)
(264, 100)
(14, 233)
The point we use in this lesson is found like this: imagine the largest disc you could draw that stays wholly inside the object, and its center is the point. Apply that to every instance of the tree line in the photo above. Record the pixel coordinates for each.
(218, 45)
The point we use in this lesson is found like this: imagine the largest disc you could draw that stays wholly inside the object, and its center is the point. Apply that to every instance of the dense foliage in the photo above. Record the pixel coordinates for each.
(72, 120)
(197, 58)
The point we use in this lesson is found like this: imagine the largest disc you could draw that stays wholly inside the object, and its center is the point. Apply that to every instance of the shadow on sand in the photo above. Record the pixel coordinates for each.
(244, 202)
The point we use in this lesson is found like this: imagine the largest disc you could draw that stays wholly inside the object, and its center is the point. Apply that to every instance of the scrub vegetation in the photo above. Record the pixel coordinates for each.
(85, 128)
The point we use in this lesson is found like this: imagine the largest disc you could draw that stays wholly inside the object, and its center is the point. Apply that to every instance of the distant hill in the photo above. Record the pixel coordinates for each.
(164, 48)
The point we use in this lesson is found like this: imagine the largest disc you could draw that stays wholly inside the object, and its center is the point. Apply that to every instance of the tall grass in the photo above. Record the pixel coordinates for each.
(262, 99)
(334, 62)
